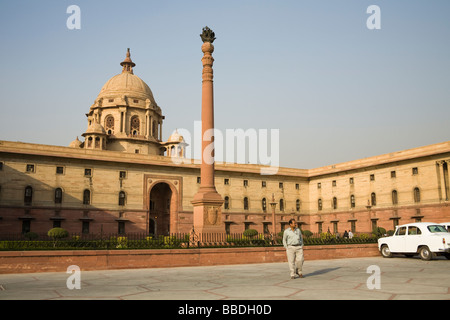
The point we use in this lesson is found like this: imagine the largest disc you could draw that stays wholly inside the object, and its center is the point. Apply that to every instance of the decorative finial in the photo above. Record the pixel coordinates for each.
(208, 35)
(127, 64)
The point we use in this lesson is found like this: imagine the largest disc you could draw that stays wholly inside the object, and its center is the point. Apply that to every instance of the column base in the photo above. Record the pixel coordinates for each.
(208, 212)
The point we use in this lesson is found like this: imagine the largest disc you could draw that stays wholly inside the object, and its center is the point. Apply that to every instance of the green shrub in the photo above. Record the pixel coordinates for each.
(58, 233)
(31, 236)
(250, 233)
(307, 233)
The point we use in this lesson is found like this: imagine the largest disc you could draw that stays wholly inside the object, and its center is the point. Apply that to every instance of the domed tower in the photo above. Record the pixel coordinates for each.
(128, 114)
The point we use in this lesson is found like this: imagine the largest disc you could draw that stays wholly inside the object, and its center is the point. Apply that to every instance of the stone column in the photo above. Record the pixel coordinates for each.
(207, 202)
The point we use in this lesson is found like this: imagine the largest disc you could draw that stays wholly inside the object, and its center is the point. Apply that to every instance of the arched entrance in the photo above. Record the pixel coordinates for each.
(161, 205)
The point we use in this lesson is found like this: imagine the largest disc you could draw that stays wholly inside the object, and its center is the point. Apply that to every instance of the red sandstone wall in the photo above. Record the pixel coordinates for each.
(58, 261)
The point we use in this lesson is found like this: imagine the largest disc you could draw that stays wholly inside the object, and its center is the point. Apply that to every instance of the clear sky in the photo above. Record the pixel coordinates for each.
(336, 90)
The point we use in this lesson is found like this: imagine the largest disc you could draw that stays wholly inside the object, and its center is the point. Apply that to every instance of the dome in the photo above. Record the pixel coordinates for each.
(75, 143)
(175, 137)
(127, 84)
(96, 128)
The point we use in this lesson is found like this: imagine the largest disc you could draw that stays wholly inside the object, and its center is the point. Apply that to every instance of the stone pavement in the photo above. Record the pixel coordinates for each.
(400, 278)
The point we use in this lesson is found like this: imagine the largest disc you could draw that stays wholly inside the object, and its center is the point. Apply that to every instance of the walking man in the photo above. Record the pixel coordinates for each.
(293, 242)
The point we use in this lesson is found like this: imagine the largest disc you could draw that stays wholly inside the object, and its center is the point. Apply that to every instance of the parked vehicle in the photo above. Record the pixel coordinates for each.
(423, 238)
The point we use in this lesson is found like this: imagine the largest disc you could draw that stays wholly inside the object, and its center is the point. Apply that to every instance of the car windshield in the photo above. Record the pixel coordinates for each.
(436, 228)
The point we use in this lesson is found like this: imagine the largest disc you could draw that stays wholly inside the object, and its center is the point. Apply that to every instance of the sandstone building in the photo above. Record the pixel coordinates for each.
(122, 178)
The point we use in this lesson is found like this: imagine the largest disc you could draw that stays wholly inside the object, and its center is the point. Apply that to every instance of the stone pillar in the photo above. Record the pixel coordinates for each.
(207, 202)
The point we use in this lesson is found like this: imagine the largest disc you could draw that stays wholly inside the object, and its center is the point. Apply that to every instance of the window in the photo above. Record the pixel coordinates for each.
(335, 227)
(122, 174)
(416, 195)
(412, 231)
(400, 231)
(372, 177)
(352, 201)
(415, 171)
(374, 224)
(264, 204)
(85, 227)
(121, 198)
(373, 198)
(26, 226)
(199, 180)
(319, 227)
(319, 185)
(86, 196)
(121, 227)
(226, 204)
(87, 172)
(226, 182)
(297, 186)
(353, 226)
(281, 205)
(245, 183)
(109, 124)
(28, 196)
(351, 181)
(59, 170)
(58, 195)
(280, 185)
(334, 203)
(245, 203)
(263, 184)
(394, 197)
(297, 205)
(393, 174)
(30, 168)
(334, 183)
(319, 204)
(56, 223)
(135, 125)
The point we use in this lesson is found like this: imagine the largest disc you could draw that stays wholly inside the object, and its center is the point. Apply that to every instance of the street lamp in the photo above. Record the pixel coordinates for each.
(273, 204)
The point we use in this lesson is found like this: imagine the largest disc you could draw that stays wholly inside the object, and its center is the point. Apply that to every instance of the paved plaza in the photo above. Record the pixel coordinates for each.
(350, 279)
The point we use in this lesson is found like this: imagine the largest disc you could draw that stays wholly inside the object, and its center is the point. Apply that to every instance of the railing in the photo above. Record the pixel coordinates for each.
(106, 241)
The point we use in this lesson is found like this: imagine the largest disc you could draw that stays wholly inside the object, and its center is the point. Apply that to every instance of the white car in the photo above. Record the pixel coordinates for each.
(423, 238)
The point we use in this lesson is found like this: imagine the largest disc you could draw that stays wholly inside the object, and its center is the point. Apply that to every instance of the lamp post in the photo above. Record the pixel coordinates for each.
(273, 204)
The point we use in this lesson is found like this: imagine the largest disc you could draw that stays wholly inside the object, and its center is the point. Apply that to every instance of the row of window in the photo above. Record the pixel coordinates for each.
(415, 171)
(31, 168)
(281, 203)
(28, 196)
(226, 181)
(373, 199)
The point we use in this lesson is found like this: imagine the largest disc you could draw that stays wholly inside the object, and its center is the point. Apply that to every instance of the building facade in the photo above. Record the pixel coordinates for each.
(123, 178)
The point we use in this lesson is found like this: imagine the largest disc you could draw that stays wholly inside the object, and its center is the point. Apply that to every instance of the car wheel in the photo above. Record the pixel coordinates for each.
(425, 253)
(385, 252)
(447, 255)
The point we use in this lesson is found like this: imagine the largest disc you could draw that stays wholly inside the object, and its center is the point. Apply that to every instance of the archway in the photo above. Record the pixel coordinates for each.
(161, 205)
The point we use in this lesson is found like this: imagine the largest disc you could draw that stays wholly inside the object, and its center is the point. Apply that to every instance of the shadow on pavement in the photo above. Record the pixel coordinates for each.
(322, 271)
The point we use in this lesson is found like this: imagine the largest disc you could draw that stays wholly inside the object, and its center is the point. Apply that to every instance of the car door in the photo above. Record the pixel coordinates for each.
(397, 243)
(413, 239)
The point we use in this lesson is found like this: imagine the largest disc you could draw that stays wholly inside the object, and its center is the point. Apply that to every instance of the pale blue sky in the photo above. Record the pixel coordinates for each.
(336, 90)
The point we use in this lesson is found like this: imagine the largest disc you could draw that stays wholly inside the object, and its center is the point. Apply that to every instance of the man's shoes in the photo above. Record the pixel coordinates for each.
(293, 277)
(300, 276)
